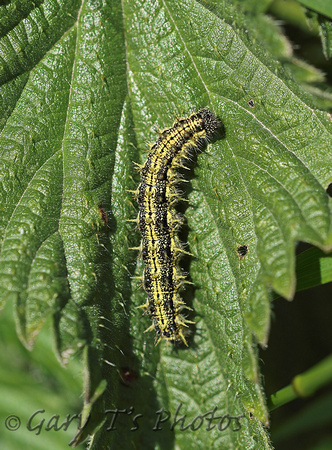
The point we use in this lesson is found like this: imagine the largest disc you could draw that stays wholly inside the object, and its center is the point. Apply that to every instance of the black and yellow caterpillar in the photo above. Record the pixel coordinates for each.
(159, 222)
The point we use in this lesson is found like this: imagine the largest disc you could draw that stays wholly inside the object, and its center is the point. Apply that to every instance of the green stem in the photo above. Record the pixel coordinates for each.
(303, 385)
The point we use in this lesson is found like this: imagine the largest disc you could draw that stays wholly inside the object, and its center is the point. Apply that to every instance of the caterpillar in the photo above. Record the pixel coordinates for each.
(159, 222)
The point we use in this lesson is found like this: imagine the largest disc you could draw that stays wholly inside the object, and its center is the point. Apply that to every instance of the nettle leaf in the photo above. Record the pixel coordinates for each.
(84, 85)
(322, 24)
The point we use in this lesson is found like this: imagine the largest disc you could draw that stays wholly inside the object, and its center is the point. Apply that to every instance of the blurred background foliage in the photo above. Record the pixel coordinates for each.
(32, 381)
(300, 334)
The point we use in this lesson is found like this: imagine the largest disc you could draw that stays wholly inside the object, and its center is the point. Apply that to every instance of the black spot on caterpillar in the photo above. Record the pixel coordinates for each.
(159, 222)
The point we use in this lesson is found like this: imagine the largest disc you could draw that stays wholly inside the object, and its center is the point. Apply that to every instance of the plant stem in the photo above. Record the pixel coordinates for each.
(303, 385)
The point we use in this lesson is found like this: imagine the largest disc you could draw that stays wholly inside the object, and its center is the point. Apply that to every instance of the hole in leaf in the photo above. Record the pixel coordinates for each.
(128, 376)
(242, 250)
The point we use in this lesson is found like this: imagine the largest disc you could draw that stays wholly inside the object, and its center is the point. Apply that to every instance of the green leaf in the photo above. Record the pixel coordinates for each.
(323, 25)
(290, 12)
(313, 268)
(325, 32)
(322, 6)
(86, 85)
